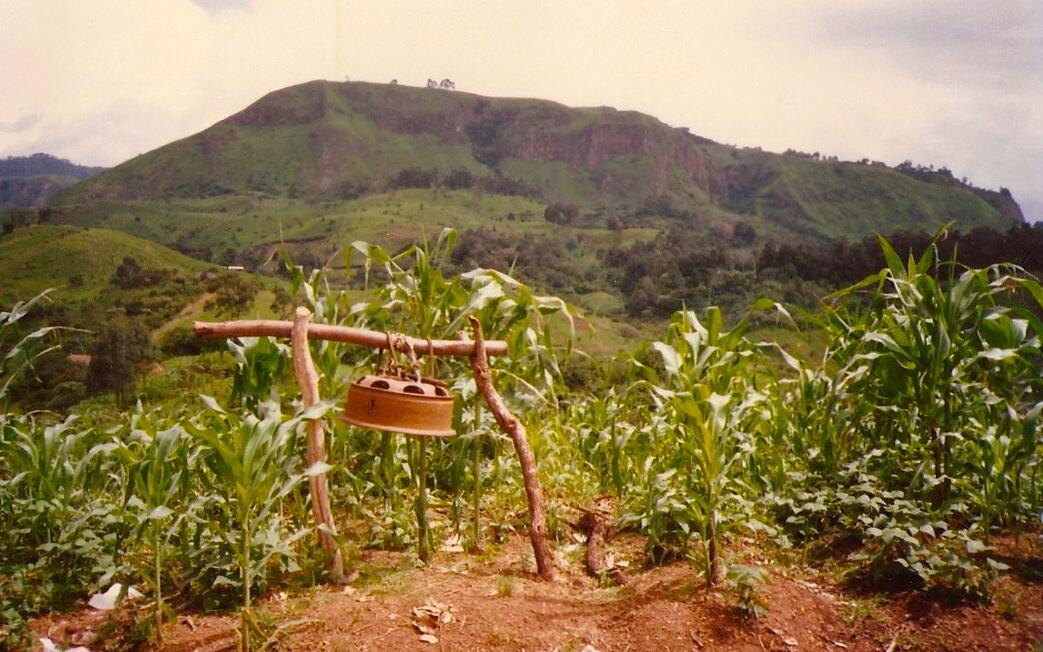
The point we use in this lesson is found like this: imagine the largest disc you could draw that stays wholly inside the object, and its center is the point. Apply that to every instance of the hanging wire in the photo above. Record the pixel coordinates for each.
(392, 366)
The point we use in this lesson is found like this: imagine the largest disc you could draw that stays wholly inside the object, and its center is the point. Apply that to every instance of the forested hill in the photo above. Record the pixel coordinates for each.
(29, 181)
(41, 164)
(326, 141)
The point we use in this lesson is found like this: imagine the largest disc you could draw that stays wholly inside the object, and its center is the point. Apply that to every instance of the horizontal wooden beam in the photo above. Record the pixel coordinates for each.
(362, 336)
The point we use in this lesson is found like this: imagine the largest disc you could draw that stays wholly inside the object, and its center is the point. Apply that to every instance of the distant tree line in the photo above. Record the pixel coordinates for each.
(13, 218)
(842, 262)
(682, 266)
(696, 267)
(663, 206)
(463, 179)
(44, 164)
(657, 276)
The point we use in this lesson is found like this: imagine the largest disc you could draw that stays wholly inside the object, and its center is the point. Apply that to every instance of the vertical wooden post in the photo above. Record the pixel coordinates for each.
(308, 379)
(423, 543)
(516, 431)
(476, 480)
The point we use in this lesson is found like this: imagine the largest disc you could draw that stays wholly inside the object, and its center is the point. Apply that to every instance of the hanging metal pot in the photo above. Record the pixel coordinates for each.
(413, 407)
(399, 399)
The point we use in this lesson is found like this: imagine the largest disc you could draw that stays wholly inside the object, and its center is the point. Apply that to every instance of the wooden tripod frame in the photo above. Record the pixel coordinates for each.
(478, 350)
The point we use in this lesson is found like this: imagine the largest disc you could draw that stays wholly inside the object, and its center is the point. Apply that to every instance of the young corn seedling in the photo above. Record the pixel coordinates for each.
(252, 461)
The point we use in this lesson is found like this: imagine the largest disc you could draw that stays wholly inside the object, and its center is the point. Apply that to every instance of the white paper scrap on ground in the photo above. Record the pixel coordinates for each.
(107, 601)
(49, 646)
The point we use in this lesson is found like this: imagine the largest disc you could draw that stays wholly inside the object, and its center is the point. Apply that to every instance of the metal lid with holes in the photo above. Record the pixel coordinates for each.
(400, 404)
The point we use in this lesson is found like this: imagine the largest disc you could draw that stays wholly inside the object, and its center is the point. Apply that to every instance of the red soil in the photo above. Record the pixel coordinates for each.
(497, 603)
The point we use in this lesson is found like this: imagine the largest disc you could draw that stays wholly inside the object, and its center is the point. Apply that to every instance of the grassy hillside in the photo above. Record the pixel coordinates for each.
(834, 198)
(39, 257)
(390, 219)
(249, 230)
(325, 141)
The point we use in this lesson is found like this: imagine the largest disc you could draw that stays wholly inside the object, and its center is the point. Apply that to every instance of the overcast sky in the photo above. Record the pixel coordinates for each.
(956, 83)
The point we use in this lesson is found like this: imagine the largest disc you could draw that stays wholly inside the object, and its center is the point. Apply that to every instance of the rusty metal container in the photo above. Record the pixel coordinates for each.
(420, 407)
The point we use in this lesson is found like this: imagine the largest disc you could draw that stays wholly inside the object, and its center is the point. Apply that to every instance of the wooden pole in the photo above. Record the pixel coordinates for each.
(300, 330)
(308, 379)
(516, 431)
(476, 479)
(365, 337)
(423, 545)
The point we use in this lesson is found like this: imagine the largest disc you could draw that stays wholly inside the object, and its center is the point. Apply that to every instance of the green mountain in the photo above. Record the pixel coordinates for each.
(618, 212)
(29, 181)
(325, 141)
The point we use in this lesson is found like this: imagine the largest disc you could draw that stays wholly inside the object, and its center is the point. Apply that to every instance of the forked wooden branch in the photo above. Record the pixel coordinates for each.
(365, 337)
(516, 431)
(308, 379)
(478, 349)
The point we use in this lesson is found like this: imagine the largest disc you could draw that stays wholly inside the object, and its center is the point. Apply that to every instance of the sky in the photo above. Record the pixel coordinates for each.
(955, 83)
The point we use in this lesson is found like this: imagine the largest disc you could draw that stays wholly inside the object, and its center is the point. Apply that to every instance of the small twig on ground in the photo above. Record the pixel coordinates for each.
(283, 629)
(386, 633)
(363, 628)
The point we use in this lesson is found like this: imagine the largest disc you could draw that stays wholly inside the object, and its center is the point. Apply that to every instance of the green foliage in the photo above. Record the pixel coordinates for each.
(116, 358)
(252, 464)
(911, 443)
(745, 582)
(260, 364)
(180, 340)
(155, 477)
(915, 437)
(19, 349)
(61, 527)
(705, 394)
(925, 414)
(233, 294)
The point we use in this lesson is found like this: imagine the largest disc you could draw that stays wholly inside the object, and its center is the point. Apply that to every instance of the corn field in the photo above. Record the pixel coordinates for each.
(913, 441)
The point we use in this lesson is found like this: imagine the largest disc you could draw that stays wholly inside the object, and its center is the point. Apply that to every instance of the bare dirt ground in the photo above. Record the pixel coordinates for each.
(495, 602)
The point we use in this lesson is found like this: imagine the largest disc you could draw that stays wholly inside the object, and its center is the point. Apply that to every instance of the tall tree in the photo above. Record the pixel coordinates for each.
(234, 295)
(116, 358)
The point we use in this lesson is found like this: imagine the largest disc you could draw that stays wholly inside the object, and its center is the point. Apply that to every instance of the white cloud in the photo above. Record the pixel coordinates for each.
(950, 83)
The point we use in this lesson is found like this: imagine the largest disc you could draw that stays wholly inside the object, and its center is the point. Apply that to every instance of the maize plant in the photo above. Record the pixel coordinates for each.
(704, 387)
(253, 464)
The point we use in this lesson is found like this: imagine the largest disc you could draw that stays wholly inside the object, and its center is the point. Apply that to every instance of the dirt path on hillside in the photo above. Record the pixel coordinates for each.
(193, 308)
